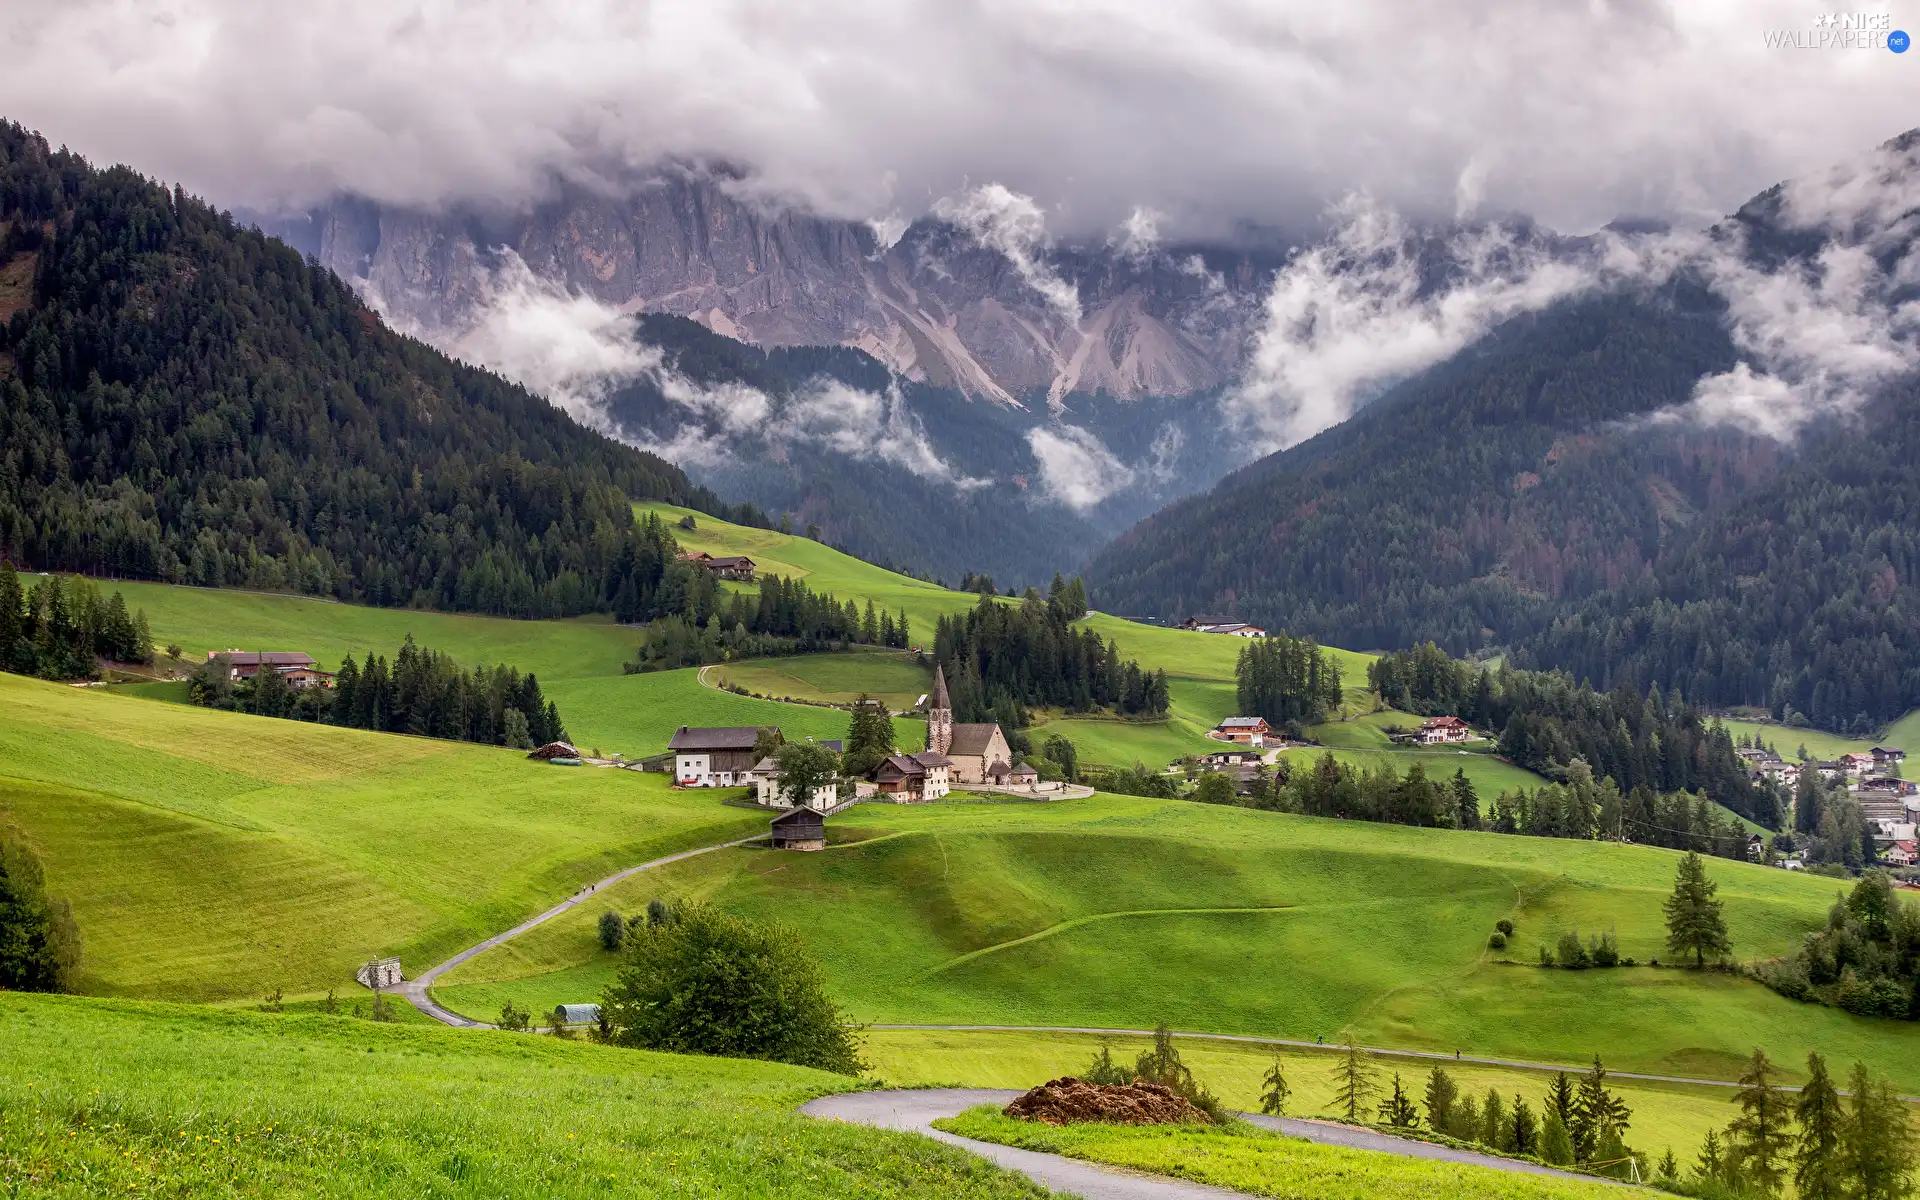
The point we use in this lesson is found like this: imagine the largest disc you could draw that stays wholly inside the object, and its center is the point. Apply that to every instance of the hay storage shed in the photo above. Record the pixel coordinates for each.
(800, 829)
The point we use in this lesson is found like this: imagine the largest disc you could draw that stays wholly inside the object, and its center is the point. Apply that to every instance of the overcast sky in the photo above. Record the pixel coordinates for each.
(1210, 112)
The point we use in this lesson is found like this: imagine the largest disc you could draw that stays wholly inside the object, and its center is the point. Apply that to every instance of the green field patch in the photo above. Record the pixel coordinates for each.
(1489, 775)
(1664, 1114)
(1262, 1163)
(100, 1098)
(1115, 742)
(1078, 922)
(635, 715)
(891, 676)
(204, 620)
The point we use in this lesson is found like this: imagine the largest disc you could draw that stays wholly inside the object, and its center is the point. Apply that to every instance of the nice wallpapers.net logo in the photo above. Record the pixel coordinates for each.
(1842, 31)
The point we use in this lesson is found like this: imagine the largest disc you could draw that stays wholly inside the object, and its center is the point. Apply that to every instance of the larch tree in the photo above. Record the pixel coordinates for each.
(1817, 1171)
(1758, 1137)
(1354, 1083)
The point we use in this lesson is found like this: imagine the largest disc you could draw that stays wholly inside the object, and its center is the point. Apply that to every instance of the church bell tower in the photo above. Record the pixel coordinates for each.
(939, 715)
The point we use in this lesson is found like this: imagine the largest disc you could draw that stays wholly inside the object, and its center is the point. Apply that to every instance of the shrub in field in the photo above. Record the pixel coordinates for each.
(1103, 1070)
(39, 941)
(702, 981)
(514, 1018)
(1571, 954)
(1504, 926)
(613, 931)
(1498, 941)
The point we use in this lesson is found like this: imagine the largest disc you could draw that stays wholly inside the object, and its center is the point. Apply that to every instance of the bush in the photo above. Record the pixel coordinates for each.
(514, 1018)
(1871, 997)
(1103, 1070)
(1161, 1064)
(1604, 951)
(700, 981)
(39, 941)
(613, 930)
(1571, 954)
(1787, 976)
(1504, 926)
(1498, 941)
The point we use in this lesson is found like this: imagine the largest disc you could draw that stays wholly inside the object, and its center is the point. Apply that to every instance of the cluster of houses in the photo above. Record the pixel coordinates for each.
(1226, 625)
(1890, 804)
(956, 754)
(737, 567)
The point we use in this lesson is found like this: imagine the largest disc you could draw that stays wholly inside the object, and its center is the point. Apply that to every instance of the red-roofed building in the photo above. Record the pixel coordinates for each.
(1444, 729)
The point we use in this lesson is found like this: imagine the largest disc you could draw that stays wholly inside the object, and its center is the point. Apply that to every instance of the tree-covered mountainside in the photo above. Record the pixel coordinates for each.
(185, 399)
(1515, 497)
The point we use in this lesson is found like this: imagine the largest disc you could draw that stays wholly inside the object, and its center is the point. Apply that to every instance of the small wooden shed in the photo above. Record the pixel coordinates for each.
(800, 829)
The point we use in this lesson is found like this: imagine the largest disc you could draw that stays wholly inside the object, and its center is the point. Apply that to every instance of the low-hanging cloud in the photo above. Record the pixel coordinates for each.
(1076, 467)
(1215, 112)
(1013, 225)
(1379, 301)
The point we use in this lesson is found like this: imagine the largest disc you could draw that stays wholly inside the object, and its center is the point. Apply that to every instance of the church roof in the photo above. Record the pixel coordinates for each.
(932, 758)
(940, 689)
(971, 739)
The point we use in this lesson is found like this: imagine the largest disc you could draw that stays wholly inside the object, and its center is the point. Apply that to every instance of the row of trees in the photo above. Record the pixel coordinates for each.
(61, 626)
(1291, 682)
(1826, 1146)
(786, 617)
(1000, 659)
(422, 692)
(1582, 807)
(1545, 720)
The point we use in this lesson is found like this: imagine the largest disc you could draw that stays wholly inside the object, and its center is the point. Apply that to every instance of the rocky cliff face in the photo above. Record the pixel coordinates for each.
(936, 306)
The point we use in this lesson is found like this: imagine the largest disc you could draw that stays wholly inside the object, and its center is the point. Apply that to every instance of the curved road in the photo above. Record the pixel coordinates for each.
(915, 1112)
(416, 989)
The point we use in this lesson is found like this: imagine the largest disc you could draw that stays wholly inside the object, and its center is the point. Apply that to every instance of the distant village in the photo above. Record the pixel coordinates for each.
(1889, 804)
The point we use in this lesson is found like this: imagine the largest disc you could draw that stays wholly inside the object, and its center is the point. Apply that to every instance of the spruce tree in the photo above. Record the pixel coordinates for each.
(1817, 1169)
(1695, 923)
(1442, 1094)
(1523, 1131)
(1556, 1145)
(1876, 1139)
(1757, 1138)
(1397, 1109)
(39, 941)
(1354, 1083)
(1493, 1121)
(1273, 1099)
(1712, 1164)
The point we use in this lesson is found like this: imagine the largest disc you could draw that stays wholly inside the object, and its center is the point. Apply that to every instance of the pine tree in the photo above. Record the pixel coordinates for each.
(1596, 1112)
(1560, 1098)
(1556, 1146)
(1397, 1110)
(1493, 1121)
(1523, 1135)
(1712, 1164)
(1817, 1169)
(1757, 1138)
(1273, 1100)
(1694, 920)
(1442, 1094)
(1354, 1083)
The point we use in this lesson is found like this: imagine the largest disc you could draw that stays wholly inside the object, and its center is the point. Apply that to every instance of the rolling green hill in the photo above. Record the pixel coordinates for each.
(1124, 912)
(122, 1098)
(215, 856)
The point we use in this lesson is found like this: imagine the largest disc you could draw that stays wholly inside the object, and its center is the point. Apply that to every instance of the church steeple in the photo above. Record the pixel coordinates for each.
(939, 715)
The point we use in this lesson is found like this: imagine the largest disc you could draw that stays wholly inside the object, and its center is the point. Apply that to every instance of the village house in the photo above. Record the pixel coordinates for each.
(912, 778)
(713, 757)
(765, 780)
(1780, 770)
(737, 567)
(1435, 730)
(971, 750)
(1226, 625)
(1902, 854)
(298, 669)
(1888, 756)
(1856, 764)
(1248, 731)
(1229, 758)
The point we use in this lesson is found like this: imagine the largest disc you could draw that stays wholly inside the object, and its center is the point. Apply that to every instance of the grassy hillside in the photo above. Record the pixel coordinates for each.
(213, 856)
(891, 675)
(1106, 912)
(100, 1098)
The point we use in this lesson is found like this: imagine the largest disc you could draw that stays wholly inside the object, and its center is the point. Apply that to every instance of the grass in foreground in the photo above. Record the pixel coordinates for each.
(1267, 1164)
(117, 1098)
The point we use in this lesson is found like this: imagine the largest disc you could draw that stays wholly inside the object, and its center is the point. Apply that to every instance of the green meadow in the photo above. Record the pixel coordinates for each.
(214, 856)
(124, 1098)
(891, 676)
(1125, 912)
(1263, 1163)
(1664, 1114)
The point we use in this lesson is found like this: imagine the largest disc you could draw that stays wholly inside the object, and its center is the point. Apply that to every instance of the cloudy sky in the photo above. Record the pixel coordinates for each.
(1210, 113)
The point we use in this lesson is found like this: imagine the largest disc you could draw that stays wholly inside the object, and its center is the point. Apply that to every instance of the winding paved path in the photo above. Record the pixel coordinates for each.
(417, 992)
(915, 1112)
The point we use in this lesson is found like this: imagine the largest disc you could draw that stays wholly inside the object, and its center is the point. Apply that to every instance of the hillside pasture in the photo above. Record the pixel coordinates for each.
(215, 856)
(891, 676)
(1125, 912)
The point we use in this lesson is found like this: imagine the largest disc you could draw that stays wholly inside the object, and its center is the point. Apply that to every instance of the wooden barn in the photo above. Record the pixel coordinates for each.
(800, 829)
